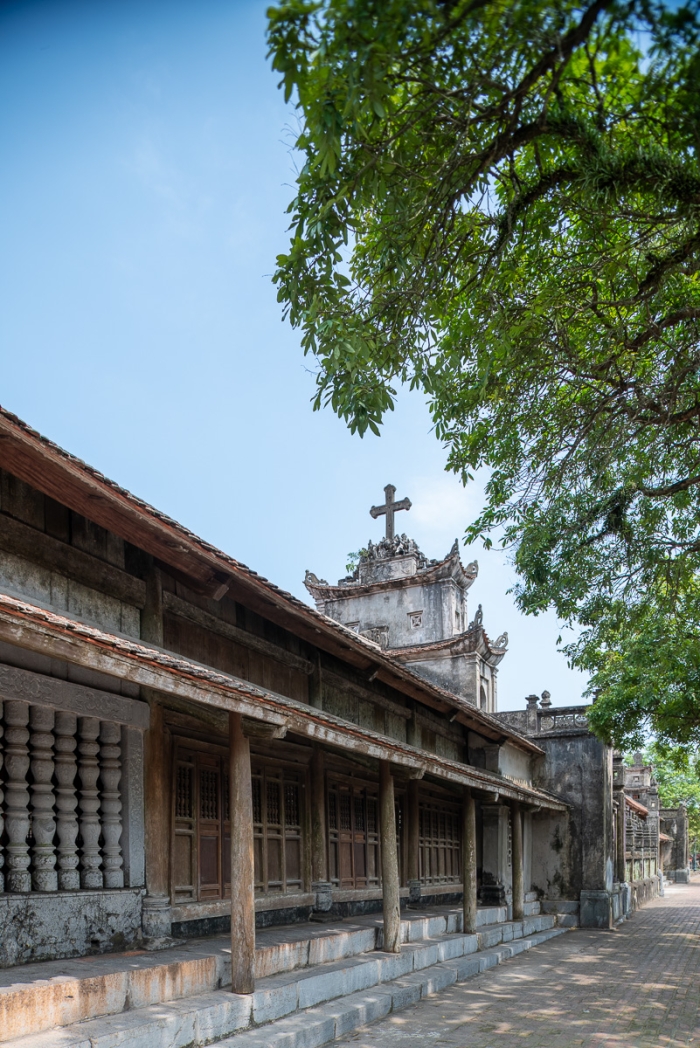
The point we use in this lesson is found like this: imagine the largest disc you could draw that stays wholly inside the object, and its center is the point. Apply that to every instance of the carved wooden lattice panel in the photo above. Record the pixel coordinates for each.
(201, 860)
(185, 824)
(439, 842)
(278, 830)
(353, 836)
(201, 844)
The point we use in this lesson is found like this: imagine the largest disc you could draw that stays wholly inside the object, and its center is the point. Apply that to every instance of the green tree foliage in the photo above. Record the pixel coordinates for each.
(499, 204)
(677, 772)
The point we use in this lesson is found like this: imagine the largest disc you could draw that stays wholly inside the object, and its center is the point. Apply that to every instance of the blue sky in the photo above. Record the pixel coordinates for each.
(146, 171)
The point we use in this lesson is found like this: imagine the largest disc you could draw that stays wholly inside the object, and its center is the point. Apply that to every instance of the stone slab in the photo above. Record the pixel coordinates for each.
(42, 926)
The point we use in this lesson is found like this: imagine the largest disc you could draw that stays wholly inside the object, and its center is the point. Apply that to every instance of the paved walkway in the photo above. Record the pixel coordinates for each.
(635, 987)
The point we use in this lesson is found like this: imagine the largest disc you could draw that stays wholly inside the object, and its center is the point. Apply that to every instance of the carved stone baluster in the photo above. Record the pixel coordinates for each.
(2, 796)
(66, 800)
(110, 775)
(17, 796)
(44, 876)
(89, 770)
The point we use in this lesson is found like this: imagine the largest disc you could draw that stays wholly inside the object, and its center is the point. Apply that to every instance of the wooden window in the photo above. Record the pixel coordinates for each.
(277, 830)
(353, 836)
(202, 842)
(439, 844)
(185, 829)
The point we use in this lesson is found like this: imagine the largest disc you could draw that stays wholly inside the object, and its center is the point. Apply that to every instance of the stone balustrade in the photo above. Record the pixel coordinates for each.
(62, 809)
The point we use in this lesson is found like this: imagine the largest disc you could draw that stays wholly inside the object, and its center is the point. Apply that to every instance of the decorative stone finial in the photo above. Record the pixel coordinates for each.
(546, 700)
(531, 701)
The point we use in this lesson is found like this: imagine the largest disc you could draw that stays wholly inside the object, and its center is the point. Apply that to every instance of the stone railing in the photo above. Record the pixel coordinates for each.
(71, 788)
(564, 720)
(62, 804)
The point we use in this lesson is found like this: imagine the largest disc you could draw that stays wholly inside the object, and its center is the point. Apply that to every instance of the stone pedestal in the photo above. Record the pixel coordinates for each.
(414, 892)
(157, 919)
(323, 901)
(596, 909)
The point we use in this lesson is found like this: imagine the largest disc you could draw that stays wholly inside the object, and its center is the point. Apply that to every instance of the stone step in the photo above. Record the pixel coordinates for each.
(318, 1026)
(200, 1019)
(59, 993)
(530, 909)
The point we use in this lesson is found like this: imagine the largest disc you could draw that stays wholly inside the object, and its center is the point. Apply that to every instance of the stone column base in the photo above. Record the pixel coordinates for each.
(156, 919)
(323, 891)
(492, 895)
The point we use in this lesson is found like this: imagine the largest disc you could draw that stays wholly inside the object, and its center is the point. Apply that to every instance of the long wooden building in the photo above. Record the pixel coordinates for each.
(167, 713)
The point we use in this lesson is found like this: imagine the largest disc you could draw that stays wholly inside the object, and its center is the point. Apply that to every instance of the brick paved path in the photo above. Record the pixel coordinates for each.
(636, 987)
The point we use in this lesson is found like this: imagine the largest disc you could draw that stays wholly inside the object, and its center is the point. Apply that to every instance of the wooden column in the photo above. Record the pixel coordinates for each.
(157, 785)
(157, 797)
(390, 862)
(242, 860)
(319, 853)
(468, 863)
(517, 859)
(413, 832)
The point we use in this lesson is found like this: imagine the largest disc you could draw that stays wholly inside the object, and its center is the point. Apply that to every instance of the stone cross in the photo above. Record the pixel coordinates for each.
(390, 508)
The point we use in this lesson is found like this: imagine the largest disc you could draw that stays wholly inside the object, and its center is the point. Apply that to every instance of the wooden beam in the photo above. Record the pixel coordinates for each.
(40, 548)
(27, 686)
(36, 629)
(257, 729)
(49, 469)
(366, 694)
(183, 609)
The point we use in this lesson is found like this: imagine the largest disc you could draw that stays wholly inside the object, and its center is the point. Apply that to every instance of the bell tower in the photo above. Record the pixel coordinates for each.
(416, 610)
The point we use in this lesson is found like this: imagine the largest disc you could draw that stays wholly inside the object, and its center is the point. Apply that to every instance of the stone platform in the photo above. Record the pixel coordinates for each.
(177, 997)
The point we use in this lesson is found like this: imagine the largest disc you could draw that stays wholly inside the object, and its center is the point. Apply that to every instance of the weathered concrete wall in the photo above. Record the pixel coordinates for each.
(578, 768)
(515, 763)
(36, 927)
(441, 603)
(58, 558)
(463, 675)
(674, 823)
(554, 846)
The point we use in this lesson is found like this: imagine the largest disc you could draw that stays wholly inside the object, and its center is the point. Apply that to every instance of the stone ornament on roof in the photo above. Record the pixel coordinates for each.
(399, 546)
(389, 509)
